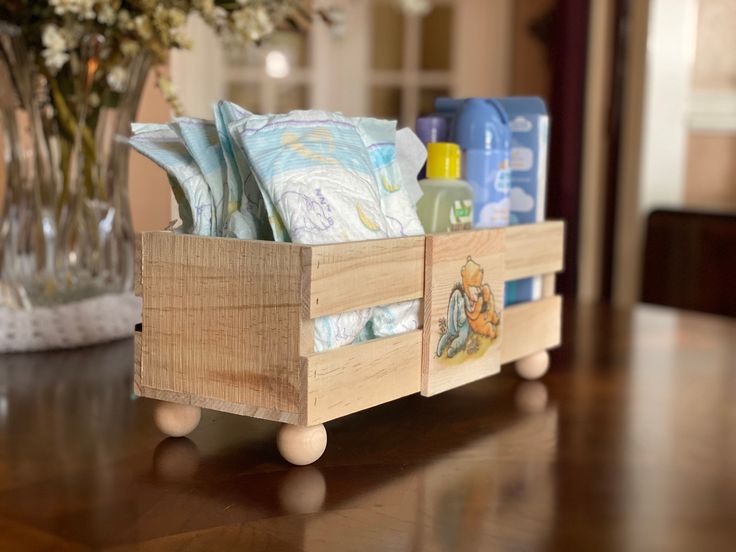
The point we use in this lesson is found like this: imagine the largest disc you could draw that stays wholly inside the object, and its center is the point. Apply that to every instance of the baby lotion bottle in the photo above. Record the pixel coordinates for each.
(447, 203)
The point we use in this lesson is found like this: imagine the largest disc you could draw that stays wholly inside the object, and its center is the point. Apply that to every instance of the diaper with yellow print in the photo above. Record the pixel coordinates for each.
(379, 138)
(314, 169)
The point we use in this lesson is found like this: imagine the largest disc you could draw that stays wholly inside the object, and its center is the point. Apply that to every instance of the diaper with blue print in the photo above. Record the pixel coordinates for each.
(379, 138)
(309, 177)
(314, 169)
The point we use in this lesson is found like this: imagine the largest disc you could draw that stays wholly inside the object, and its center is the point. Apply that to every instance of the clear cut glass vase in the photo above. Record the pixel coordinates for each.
(65, 225)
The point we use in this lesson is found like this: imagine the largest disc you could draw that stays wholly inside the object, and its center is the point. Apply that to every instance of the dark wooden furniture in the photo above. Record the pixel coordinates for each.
(627, 444)
(690, 261)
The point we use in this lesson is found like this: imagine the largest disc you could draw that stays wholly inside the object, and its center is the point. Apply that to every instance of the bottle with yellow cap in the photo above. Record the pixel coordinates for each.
(447, 203)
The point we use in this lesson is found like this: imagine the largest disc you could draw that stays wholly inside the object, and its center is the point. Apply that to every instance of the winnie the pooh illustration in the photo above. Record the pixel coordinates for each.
(471, 309)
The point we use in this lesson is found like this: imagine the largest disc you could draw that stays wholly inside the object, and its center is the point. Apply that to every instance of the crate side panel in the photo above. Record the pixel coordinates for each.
(356, 377)
(137, 353)
(463, 308)
(534, 249)
(221, 319)
(531, 327)
(356, 275)
(219, 405)
(138, 266)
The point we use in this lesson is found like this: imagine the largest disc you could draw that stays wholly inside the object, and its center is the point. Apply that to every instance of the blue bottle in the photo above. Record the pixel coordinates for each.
(481, 129)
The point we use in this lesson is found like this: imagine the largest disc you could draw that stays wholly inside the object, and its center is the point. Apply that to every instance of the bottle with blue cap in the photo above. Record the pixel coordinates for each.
(482, 131)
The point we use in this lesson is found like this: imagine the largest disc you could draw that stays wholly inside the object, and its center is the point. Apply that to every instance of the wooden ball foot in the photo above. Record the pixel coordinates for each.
(301, 445)
(533, 366)
(176, 420)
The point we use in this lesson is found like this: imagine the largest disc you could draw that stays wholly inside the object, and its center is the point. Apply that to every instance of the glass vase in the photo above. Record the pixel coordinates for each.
(65, 226)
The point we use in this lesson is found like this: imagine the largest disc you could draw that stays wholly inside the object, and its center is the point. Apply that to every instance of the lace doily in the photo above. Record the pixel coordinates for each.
(87, 322)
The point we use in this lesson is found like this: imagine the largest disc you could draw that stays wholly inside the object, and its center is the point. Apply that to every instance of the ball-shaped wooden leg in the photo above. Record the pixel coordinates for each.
(533, 366)
(176, 420)
(301, 445)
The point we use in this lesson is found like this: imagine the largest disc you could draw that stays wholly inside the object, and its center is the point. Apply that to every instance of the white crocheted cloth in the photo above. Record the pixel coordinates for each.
(87, 322)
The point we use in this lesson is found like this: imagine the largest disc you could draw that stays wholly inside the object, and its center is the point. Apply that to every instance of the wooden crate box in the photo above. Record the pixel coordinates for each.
(229, 324)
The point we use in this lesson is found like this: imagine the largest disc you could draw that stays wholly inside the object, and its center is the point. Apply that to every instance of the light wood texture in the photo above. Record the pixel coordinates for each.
(228, 324)
(137, 353)
(637, 440)
(448, 264)
(533, 249)
(531, 327)
(138, 266)
(220, 406)
(548, 285)
(348, 276)
(221, 320)
(356, 377)
(301, 445)
(176, 420)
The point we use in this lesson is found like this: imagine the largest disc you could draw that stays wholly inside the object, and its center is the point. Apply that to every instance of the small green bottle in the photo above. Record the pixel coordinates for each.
(447, 203)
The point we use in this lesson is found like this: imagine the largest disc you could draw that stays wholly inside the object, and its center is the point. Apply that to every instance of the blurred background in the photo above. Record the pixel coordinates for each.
(642, 97)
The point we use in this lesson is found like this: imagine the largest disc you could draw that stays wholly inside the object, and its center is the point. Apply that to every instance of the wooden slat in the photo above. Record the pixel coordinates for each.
(355, 275)
(220, 406)
(137, 352)
(450, 258)
(356, 377)
(221, 320)
(531, 327)
(548, 285)
(138, 266)
(534, 249)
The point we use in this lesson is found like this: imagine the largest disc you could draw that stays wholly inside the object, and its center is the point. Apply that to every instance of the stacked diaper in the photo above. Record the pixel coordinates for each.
(309, 177)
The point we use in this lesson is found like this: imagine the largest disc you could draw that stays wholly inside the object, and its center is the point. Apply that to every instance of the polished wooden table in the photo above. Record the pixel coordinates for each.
(628, 444)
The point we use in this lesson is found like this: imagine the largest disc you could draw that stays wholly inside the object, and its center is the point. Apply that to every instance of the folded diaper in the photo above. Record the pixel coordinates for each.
(379, 137)
(310, 177)
(247, 213)
(161, 144)
(315, 170)
(202, 142)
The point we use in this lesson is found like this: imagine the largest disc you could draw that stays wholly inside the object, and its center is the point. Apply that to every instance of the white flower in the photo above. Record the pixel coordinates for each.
(143, 27)
(181, 39)
(106, 15)
(125, 22)
(83, 9)
(253, 23)
(205, 6)
(55, 46)
(129, 48)
(168, 91)
(117, 78)
(52, 38)
(177, 18)
(219, 16)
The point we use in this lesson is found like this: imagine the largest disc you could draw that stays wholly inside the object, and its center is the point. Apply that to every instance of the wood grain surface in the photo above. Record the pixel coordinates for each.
(627, 444)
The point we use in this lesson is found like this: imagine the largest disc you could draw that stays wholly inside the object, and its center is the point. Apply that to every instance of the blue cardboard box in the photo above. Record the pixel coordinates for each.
(529, 123)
